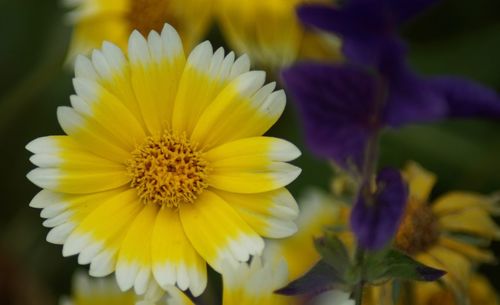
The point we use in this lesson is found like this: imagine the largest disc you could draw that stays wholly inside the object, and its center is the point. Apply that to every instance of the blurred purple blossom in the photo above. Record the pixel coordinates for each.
(343, 104)
(376, 222)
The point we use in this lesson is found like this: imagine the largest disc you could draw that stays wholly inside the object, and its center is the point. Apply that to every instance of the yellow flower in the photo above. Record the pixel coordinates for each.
(435, 233)
(91, 291)
(270, 32)
(96, 21)
(164, 166)
(283, 261)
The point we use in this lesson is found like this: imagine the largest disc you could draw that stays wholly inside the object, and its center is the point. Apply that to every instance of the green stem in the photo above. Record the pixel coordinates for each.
(358, 290)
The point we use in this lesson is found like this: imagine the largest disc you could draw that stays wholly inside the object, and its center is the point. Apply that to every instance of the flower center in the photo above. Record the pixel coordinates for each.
(148, 15)
(419, 229)
(168, 170)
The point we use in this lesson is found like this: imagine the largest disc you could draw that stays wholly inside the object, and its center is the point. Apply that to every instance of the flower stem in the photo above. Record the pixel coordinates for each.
(368, 191)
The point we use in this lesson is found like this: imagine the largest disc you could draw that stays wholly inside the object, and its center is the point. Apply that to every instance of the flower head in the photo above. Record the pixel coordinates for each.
(164, 167)
(270, 32)
(435, 232)
(96, 21)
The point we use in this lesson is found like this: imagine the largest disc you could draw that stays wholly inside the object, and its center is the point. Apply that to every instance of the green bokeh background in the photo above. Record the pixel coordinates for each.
(456, 37)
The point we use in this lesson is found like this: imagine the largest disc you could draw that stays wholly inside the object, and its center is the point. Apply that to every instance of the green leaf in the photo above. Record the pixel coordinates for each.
(394, 264)
(334, 253)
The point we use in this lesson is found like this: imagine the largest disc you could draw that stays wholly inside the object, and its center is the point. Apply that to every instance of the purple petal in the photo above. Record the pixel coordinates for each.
(376, 223)
(467, 99)
(413, 100)
(337, 106)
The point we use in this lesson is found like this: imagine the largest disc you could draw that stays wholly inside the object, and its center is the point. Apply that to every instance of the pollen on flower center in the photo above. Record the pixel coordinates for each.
(419, 229)
(168, 170)
(149, 15)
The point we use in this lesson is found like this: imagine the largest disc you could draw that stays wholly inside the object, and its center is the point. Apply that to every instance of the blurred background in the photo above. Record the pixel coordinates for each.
(456, 37)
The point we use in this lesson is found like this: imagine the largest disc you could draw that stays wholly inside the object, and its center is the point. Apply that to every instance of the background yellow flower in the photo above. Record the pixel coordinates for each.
(96, 21)
(271, 34)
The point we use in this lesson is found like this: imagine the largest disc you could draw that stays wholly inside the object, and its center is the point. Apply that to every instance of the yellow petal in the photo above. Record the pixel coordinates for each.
(88, 133)
(218, 233)
(420, 181)
(270, 214)
(155, 68)
(472, 221)
(243, 100)
(133, 267)
(175, 261)
(248, 179)
(470, 251)
(94, 101)
(460, 202)
(256, 149)
(214, 71)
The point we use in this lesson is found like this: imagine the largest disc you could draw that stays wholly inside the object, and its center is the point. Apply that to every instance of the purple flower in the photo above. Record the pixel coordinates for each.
(376, 222)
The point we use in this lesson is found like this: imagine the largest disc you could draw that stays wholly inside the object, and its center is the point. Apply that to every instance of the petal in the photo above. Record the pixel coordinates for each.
(420, 181)
(100, 232)
(243, 100)
(205, 75)
(218, 233)
(270, 214)
(374, 224)
(266, 148)
(318, 211)
(470, 251)
(461, 202)
(337, 105)
(249, 178)
(467, 99)
(65, 153)
(95, 102)
(133, 267)
(78, 181)
(89, 134)
(174, 259)
(473, 221)
(156, 65)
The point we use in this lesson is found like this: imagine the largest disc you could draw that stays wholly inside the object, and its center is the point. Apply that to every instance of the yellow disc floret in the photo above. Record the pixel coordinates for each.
(419, 229)
(149, 15)
(168, 170)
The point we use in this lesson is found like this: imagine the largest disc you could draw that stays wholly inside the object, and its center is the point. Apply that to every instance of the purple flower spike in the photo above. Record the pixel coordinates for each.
(338, 108)
(375, 223)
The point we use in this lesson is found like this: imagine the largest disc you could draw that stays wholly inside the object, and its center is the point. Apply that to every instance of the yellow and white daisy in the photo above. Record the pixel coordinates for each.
(96, 21)
(164, 167)
(271, 33)
(104, 291)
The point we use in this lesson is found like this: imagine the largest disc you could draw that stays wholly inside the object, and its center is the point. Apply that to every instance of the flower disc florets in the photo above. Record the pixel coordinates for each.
(168, 170)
